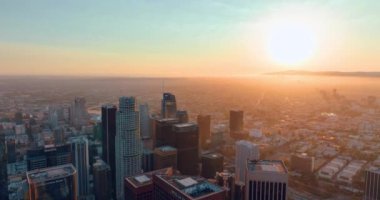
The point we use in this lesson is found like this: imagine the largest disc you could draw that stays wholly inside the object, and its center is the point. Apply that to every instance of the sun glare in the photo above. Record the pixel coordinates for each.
(290, 42)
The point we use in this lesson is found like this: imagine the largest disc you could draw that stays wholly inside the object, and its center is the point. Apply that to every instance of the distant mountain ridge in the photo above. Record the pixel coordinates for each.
(327, 73)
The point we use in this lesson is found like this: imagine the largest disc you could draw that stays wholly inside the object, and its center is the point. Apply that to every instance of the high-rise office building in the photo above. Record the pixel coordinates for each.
(168, 106)
(3, 167)
(164, 134)
(128, 147)
(78, 112)
(266, 179)
(204, 124)
(245, 150)
(182, 187)
(10, 140)
(80, 159)
(372, 184)
(211, 164)
(140, 187)
(236, 121)
(187, 144)
(165, 156)
(48, 156)
(182, 116)
(144, 121)
(147, 160)
(108, 141)
(102, 180)
(57, 182)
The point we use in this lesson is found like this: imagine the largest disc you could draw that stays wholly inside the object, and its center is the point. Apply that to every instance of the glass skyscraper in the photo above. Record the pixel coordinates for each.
(128, 147)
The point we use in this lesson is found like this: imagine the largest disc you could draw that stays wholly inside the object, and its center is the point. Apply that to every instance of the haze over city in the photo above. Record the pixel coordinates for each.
(192, 38)
(190, 100)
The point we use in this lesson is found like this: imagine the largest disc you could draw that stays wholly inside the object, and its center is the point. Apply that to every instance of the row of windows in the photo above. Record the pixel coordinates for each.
(264, 190)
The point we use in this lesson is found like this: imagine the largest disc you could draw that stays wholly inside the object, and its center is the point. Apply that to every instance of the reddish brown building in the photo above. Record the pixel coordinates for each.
(140, 187)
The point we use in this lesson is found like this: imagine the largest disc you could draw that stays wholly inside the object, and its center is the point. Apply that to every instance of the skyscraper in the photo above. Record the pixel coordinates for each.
(182, 116)
(3, 167)
(108, 140)
(128, 144)
(204, 124)
(57, 182)
(144, 121)
(80, 158)
(147, 160)
(187, 144)
(236, 121)
(211, 164)
(266, 179)
(48, 156)
(164, 134)
(372, 184)
(78, 112)
(168, 106)
(165, 156)
(245, 150)
(102, 180)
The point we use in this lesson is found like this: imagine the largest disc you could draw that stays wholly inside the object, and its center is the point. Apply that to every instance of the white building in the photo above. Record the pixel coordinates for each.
(245, 150)
(266, 179)
(372, 185)
(128, 146)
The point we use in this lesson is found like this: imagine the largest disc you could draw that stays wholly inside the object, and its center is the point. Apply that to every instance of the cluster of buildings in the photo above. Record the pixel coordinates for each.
(130, 152)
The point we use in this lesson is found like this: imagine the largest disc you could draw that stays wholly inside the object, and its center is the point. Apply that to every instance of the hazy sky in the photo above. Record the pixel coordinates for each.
(180, 37)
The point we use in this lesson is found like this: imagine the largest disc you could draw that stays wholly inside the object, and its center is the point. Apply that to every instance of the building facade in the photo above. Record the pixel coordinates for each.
(266, 179)
(80, 159)
(57, 182)
(372, 185)
(245, 150)
(108, 140)
(168, 106)
(128, 143)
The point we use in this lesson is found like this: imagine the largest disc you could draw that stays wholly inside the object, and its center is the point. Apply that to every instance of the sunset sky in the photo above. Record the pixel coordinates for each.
(187, 38)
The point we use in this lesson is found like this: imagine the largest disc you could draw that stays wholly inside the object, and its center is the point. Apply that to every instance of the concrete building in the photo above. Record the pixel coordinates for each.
(266, 179)
(245, 150)
(372, 184)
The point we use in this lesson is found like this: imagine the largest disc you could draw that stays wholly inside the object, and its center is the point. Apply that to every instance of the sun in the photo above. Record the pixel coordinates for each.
(290, 42)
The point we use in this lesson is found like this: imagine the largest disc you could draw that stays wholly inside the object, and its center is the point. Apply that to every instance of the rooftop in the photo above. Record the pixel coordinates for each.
(182, 125)
(146, 178)
(213, 155)
(267, 166)
(193, 187)
(166, 148)
(41, 175)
